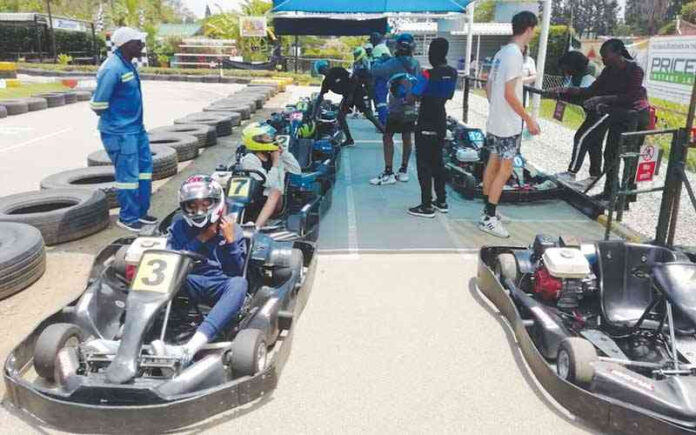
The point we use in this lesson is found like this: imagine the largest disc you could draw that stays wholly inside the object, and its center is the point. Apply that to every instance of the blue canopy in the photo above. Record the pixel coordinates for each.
(369, 6)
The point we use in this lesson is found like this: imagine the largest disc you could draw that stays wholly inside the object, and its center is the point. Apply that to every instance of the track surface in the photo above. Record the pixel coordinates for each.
(387, 343)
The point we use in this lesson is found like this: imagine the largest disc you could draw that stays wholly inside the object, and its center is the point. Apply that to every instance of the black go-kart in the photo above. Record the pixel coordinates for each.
(608, 328)
(90, 367)
(465, 157)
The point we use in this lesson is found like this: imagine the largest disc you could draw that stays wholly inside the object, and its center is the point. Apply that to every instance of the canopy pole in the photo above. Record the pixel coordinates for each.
(469, 37)
(541, 57)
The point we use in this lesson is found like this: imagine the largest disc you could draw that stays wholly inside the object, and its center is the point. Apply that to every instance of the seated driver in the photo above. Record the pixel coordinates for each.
(204, 229)
(267, 156)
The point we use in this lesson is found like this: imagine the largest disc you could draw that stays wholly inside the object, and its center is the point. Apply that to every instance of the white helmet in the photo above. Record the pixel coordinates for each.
(201, 187)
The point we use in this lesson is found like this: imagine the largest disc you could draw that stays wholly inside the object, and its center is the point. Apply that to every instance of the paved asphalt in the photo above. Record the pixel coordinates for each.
(391, 343)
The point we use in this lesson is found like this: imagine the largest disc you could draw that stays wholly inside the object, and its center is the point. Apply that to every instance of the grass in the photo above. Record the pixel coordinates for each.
(29, 90)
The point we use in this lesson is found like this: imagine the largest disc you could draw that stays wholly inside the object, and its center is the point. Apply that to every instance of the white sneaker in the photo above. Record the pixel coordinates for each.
(493, 226)
(402, 176)
(383, 179)
(501, 217)
(566, 176)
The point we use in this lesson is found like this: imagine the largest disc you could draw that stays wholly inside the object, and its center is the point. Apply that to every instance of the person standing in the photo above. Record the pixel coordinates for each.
(118, 101)
(400, 72)
(380, 53)
(506, 113)
(435, 86)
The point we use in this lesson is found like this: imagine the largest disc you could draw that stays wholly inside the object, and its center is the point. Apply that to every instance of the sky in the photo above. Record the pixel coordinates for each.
(198, 6)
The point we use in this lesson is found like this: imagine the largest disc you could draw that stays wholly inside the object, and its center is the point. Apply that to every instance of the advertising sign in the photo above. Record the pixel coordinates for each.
(671, 68)
(252, 27)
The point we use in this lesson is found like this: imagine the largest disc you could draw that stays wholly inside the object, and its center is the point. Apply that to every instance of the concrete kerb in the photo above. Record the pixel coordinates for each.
(622, 230)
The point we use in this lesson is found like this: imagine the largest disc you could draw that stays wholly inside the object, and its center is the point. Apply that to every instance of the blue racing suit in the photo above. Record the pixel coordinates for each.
(219, 281)
(119, 103)
(380, 53)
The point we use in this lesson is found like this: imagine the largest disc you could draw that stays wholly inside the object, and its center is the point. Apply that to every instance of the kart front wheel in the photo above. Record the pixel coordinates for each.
(575, 360)
(52, 340)
(506, 268)
(248, 353)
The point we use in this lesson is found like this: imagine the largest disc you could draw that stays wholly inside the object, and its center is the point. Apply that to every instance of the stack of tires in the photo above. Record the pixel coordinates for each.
(19, 106)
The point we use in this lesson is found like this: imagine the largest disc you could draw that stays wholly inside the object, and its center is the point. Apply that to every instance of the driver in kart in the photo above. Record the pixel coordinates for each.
(204, 229)
(268, 157)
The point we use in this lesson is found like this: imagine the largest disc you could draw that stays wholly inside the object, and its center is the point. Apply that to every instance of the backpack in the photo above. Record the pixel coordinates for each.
(401, 86)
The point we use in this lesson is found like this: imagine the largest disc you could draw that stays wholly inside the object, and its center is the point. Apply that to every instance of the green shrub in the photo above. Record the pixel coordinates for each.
(688, 12)
(557, 46)
(668, 29)
(65, 59)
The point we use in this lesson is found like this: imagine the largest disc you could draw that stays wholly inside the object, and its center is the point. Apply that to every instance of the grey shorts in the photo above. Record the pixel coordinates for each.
(505, 147)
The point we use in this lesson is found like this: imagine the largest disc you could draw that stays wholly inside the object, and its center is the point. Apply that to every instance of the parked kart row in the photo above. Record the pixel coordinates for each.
(465, 157)
(95, 363)
(608, 328)
(46, 100)
(74, 204)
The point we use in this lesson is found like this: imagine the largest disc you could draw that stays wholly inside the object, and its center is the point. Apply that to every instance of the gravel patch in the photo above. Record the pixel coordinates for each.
(550, 152)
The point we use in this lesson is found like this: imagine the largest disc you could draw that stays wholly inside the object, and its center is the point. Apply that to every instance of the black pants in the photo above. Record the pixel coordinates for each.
(361, 102)
(623, 122)
(591, 143)
(430, 167)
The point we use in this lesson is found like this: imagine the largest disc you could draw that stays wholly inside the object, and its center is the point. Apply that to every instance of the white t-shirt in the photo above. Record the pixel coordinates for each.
(529, 67)
(507, 65)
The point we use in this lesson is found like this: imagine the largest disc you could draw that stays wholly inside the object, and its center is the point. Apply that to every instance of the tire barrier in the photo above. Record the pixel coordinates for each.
(15, 107)
(243, 111)
(186, 146)
(164, 161)
(3, 112)
(95, 178)
(222, 121)
(61, 215)
(205, 133)
(70, 97)
(22, 257)
(54, 99)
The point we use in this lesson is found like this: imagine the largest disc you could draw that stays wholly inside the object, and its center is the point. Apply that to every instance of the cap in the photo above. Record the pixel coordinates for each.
(124, 35)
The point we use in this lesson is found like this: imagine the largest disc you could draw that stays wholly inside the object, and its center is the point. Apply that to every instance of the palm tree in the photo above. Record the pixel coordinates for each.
(225, 25)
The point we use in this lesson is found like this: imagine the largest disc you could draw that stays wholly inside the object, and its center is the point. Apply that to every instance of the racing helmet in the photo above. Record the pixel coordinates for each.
(201, 187)
(405, 44)
(319, 66)
(359, 54)
(307, 130)
(258, 137)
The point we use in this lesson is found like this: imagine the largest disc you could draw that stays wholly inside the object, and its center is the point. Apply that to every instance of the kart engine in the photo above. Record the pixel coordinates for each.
(564, 276)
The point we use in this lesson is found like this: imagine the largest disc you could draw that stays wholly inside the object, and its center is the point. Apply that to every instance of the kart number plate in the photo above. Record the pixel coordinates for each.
(156, 272)
(283, 140)
(239, 188)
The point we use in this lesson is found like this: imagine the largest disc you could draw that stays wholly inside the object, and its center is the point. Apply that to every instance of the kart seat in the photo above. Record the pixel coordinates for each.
(625, 285)
(302, 150)
(677, 281)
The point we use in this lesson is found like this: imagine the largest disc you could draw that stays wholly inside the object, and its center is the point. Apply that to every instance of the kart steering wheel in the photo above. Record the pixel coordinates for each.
(250, 172)
(195, 256)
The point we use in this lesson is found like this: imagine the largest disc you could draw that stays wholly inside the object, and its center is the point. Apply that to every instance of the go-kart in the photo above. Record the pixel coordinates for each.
(608, 328)
(465, 157)
(307, 197)
(91, 367)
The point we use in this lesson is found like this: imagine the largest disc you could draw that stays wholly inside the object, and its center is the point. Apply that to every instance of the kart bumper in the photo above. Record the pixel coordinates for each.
(610, 414)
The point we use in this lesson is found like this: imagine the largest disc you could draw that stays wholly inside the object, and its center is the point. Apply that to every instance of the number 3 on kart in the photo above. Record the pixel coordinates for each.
(239, 188)
(156, 272)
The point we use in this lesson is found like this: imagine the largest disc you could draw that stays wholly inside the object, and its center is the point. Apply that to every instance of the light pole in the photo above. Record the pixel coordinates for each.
(53, 35)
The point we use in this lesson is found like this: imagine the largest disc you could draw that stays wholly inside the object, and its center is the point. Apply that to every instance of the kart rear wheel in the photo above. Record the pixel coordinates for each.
(506, 267)
(575, 360)
(248, 353)
(52, 339)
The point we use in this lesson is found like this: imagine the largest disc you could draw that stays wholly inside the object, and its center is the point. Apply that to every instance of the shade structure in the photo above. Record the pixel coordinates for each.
(323, 26)
(369, 6)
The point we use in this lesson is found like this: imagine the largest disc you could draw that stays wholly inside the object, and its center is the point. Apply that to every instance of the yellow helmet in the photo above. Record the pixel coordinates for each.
(258, 137)
(307, 129)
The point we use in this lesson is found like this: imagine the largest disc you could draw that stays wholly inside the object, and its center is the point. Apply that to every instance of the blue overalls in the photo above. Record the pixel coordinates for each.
(119, 103)
(219, 281)
(381, 92)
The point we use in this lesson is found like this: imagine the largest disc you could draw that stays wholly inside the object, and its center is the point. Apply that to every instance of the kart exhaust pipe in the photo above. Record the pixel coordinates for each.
(203, 374)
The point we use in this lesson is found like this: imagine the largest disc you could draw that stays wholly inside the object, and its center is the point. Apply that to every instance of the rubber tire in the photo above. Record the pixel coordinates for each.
(35, 104)
(54, 99)
(83, 95)
(263, 95)
(506, 267)
(204, 133)
(22, 257)
(164, 161)
(242, 110)
(50, 342)
(243, 352)
(15, 106)
(73, 179)
(70, 97)
(87, 214)
(186, 146)
(220, 120)
(258, 99)
(280, 275)
(581, 354)
(3, 112)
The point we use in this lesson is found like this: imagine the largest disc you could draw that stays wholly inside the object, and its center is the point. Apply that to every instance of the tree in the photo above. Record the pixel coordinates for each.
(593, 16)
(485, 11)
(647, 16)
(225, 25)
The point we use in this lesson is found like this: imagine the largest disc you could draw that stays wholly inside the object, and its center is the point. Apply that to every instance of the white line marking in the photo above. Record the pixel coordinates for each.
(350, 200)
(36, 139)
(359, 141)
(344, 252)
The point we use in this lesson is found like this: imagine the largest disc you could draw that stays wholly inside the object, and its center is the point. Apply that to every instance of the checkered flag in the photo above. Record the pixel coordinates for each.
(100, 19)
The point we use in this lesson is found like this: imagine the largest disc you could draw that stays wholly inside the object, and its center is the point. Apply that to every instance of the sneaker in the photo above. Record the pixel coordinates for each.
(501, 217)
(148, 220)
(420, 211)
(442, 207)
(493, 226)
(402, 175)
(348, 143)
(566, 176)
(159, 348)
(383, 179)
(130, 226)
